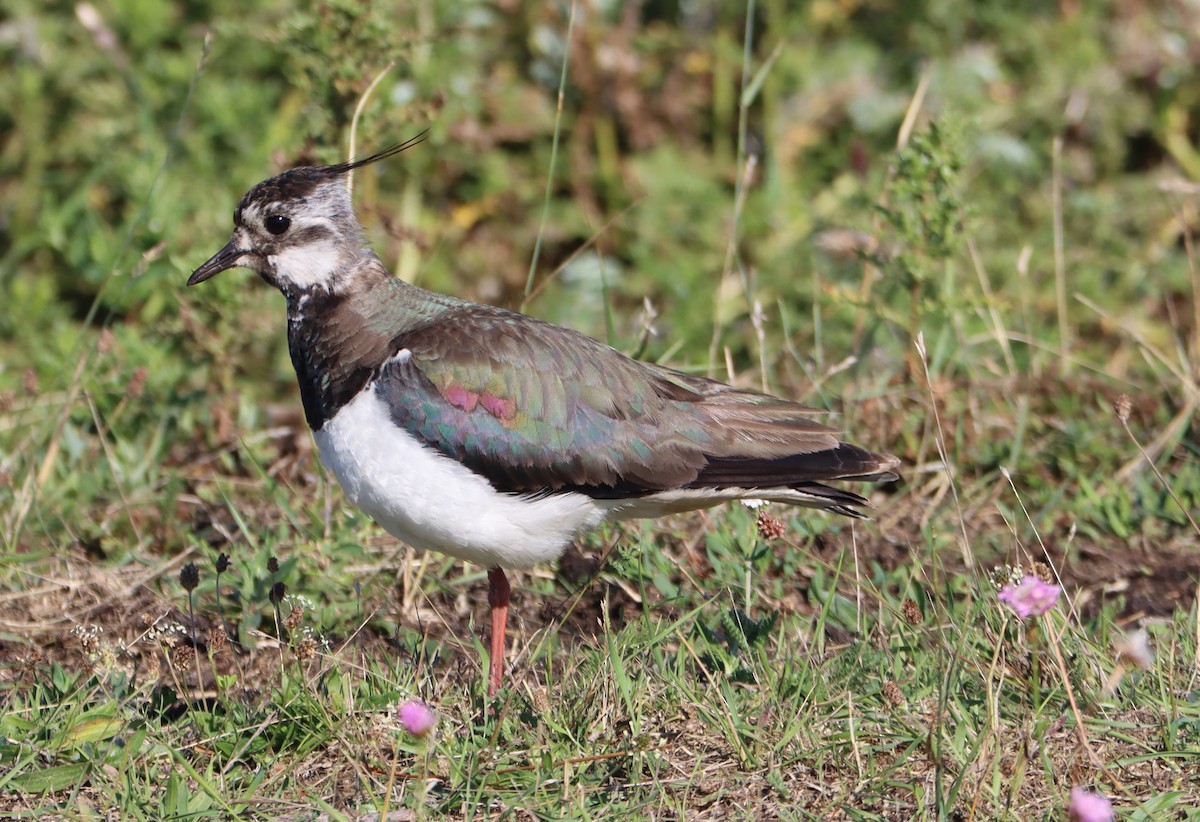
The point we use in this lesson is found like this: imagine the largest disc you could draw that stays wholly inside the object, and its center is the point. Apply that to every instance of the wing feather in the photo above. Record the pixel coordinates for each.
(584, 417)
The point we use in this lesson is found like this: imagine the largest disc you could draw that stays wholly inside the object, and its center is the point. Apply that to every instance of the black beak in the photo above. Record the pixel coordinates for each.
(227, 257)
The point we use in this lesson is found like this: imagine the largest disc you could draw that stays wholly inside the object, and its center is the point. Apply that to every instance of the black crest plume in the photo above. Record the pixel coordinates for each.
(342, 168)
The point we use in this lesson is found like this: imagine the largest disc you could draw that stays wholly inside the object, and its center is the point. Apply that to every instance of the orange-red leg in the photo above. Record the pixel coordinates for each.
(498, 593)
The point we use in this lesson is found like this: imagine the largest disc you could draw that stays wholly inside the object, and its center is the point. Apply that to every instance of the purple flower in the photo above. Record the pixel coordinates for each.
(1086, 806)
(1030, 597)
(417, 717)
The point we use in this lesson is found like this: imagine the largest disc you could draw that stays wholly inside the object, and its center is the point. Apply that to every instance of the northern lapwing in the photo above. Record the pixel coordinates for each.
(492, 436)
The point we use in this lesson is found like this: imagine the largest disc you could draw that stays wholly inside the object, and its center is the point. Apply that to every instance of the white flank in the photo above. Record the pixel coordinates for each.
(432, 502)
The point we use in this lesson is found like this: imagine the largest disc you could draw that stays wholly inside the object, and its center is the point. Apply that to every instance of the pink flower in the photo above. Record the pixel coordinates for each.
(1030, 597)
(417, 717)
(1086, 806)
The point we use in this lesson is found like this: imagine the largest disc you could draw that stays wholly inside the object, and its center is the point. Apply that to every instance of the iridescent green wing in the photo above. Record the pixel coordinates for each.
(535, 407)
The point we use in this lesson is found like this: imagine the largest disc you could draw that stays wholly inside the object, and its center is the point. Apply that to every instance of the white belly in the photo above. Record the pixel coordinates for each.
(432, 502)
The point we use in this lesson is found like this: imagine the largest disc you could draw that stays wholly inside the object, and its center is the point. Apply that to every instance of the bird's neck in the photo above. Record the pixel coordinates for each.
(338, 340)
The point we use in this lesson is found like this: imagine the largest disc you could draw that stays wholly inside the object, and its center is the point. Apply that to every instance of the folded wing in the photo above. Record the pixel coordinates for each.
(583, 417)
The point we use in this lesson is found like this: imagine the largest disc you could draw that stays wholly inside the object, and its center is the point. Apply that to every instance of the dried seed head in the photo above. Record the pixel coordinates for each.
(216, 640)
(1123, 406)
(769, 527)
(278, 592)
(540, 699)
(182, 655)
(1043, 572)
(189, 577)
(29, 381)
(27, 665)
(89, 638)
(222, 562)
(105, 660)
(294, 617)
(273, 565)
(912, 612)
(306, 649)
(893, 694)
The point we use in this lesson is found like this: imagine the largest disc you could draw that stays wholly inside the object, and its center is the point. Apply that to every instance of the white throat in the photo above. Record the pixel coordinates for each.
(317, 265)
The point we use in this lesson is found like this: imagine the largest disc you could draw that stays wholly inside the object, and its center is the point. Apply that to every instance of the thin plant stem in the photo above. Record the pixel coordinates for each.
(745, 170)
(1124, 420)
(1060, 267)
(358, 110)
(562, 84)
(968, 558)
(1080, 730)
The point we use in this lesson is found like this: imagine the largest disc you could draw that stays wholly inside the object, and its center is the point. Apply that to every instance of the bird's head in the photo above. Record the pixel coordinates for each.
(298, 229)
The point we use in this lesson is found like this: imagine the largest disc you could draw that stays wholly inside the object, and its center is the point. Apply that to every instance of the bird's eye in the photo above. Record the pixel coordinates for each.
(276, 224)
